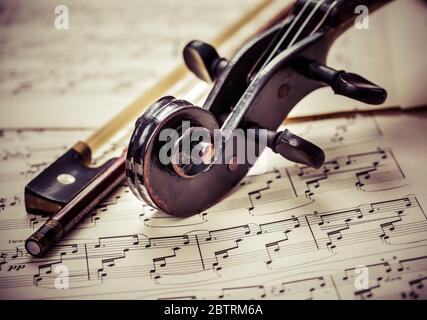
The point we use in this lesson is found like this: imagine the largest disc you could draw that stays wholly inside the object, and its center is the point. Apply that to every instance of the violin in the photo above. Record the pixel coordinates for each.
(188, 171)
(182, 159)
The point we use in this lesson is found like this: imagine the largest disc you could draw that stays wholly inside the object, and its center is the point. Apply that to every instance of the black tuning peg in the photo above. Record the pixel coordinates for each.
(295, 148)
(203, 60)
(346, 84)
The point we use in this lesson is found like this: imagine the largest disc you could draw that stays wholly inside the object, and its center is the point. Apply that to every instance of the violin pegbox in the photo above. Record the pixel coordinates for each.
(252, 95)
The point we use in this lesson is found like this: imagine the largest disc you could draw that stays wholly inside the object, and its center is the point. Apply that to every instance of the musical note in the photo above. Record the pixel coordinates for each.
(266, 238)
(367, 171)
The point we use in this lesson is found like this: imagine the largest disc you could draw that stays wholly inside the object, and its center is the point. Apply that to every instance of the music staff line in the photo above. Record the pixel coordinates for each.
(358, 171)
(109, 250)
(333, 285)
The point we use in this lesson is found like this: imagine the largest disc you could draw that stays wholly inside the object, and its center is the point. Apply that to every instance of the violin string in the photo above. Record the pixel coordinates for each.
(276, 39)
(309, 17)
(324, 17)
(276, 48)
(295, 38)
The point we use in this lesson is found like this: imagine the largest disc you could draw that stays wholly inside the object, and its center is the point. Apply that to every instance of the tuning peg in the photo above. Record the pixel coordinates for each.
(346, 84)
(203, 60)
(295, 148)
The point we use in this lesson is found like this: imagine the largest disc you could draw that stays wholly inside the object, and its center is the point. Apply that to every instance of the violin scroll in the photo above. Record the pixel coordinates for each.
(252, 94)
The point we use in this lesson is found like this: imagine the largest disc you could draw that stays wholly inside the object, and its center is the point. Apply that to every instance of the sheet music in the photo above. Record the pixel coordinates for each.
(287, 231)
(112, 53)
(109, 55)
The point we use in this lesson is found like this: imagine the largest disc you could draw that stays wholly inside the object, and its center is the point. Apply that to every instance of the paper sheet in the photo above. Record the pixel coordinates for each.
(354, 229)
(111, 53)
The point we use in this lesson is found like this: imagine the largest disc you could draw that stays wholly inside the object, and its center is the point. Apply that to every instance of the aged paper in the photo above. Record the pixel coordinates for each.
(354, 229)
(83, 76)
(110, 54)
